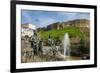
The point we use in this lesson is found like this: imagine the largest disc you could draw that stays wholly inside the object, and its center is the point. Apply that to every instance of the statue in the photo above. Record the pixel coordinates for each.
(51, 43)
(40, 50)
(34, 43)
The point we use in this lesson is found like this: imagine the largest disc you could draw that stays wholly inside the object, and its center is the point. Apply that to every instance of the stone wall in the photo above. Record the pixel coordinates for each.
(74, 23)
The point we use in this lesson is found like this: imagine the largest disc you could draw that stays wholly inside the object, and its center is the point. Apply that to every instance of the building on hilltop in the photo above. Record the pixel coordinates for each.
(27, 30)
(75, 23)
(79, 23)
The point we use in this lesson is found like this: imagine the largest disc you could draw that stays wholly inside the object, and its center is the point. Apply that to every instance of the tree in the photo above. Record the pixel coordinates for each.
(84, 46)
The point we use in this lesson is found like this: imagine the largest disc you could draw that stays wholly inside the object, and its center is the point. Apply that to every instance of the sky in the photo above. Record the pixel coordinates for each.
(44, 18)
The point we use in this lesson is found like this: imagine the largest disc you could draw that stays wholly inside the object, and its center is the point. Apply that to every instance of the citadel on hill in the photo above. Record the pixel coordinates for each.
(74, 23)
(83, 24)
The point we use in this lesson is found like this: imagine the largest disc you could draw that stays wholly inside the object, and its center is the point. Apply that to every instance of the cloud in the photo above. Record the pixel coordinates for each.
(44, 18)
(43, 21)
(27, 18)
(73, 15)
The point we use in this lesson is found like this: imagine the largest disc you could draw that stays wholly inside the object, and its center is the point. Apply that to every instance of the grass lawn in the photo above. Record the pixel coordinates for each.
(58, 34)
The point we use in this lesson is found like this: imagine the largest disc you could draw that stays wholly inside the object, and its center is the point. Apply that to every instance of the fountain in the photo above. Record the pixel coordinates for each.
(66, 46)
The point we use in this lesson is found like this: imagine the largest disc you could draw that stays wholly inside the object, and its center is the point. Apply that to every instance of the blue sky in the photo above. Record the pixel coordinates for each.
(44, 18)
